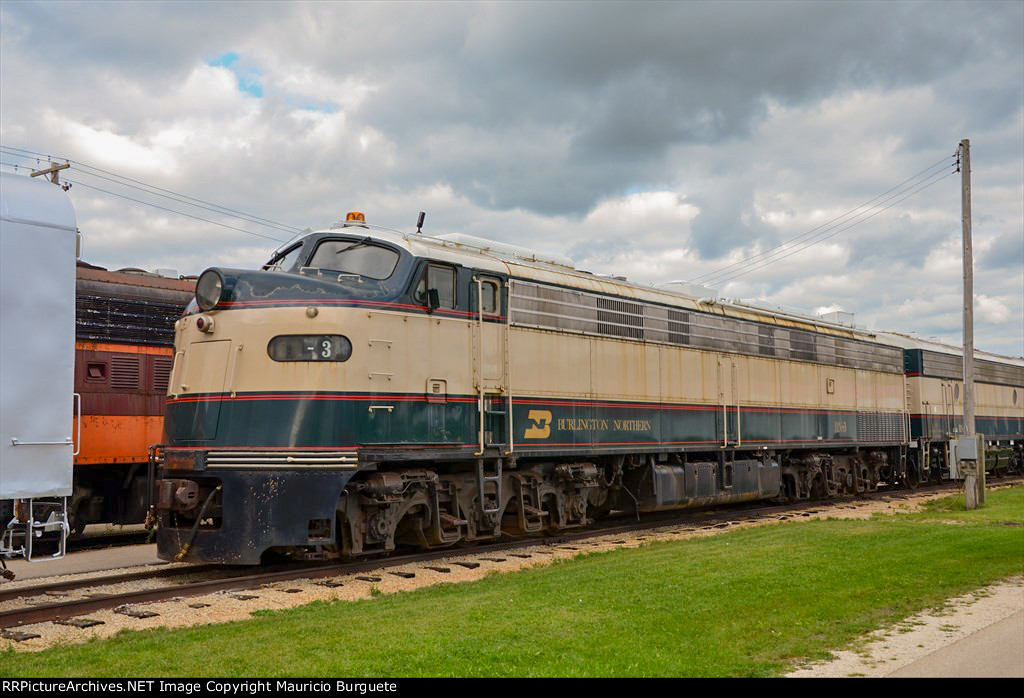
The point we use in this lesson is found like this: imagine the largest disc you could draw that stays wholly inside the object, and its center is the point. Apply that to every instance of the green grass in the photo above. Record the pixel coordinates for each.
(747, 603)
(1000, 507)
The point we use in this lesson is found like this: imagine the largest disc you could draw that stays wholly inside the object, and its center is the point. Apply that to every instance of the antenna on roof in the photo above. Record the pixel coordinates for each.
(419, 223)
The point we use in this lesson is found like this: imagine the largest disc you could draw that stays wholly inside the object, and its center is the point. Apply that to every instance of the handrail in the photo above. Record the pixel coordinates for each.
(725, 405)
(736, 399)
(508, 364)
(234, 369)
(78, 425)
(480, 361)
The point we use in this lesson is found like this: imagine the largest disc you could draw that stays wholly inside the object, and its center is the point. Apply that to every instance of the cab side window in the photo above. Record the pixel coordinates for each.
(442, 278)
(489, 296)
(284, 261)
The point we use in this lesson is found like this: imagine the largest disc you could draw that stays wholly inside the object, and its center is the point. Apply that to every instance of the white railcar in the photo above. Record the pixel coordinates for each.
(38, 241)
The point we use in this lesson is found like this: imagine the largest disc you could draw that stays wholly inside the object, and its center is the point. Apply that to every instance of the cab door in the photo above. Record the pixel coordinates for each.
(729, 406)
(490, 330)
(489, 356)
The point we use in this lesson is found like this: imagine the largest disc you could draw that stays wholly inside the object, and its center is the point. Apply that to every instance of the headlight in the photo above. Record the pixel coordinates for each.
(209, 289)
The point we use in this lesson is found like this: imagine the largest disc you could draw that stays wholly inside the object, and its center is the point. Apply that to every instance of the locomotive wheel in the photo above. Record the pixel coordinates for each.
(911, 479)
(76, 525)
(818, 488)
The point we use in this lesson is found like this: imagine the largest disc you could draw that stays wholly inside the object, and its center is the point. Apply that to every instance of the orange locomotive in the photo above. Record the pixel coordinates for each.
(124, 334)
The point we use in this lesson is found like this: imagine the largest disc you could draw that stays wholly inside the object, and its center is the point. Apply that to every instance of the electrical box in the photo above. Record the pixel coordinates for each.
(967, 448)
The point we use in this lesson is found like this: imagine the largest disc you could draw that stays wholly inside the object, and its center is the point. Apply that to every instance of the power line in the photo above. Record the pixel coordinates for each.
(149, 203)
(818, 230)
(153, 189)
(790, 253)
(208, 208)
(783, 250)
(222, 209)
(170, 210)
(764, 263)
(805, 240)
(812, 232)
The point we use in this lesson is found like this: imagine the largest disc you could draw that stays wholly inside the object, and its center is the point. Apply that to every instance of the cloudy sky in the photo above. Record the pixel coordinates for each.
(661, 141)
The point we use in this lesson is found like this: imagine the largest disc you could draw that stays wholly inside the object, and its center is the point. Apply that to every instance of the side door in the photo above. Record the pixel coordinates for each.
(728, 396)
(205, 372)
(438, 344)
(489, 356)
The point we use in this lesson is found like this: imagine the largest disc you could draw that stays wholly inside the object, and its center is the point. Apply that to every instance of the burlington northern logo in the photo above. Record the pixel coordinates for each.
(540, 425)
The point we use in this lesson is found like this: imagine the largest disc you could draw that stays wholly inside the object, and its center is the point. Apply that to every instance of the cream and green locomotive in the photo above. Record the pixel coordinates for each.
(368, 388)
(935, 403)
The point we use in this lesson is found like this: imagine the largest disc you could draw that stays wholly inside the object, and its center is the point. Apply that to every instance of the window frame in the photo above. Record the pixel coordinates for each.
(274, 264)
(496, 284)
(424, 278)
(352, 241)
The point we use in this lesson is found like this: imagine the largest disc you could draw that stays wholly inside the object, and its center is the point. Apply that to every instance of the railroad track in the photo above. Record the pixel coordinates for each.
(691, 520)
(108, 540)
(74, 584)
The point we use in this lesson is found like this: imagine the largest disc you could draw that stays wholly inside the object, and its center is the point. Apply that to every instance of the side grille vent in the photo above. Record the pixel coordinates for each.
(124, 372)
(618, 318)
(880, 427)
(569, 310)
(161, 374)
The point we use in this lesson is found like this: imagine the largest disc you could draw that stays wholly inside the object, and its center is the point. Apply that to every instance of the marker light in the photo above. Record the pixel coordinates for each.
(204, 323)
(355, 216)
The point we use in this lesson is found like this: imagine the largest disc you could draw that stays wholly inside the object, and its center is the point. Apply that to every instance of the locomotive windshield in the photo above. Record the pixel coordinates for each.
(355, 257)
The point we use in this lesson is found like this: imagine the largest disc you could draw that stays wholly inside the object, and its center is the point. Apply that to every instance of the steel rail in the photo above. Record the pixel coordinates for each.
(705, 518)
(71, 585)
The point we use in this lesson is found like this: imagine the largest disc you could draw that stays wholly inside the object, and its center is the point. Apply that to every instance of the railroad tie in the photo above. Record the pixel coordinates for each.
(78, 622)
(135, 612)
(18, 635)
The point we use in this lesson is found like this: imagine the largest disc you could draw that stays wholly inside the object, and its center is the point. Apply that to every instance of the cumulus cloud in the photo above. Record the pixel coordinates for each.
(663, 141)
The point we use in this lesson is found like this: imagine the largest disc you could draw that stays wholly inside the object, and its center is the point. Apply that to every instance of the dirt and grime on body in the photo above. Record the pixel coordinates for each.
(222, 607)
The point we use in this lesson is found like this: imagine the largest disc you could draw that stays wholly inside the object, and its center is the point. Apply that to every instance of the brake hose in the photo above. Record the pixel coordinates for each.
(195, 528)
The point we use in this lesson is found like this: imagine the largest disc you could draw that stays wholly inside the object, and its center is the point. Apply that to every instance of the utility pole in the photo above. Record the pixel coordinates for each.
(53, 171)
(965, 207)
(974, 474)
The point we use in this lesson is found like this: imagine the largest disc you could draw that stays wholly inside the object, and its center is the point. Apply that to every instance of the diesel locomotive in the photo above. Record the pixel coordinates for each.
(935, 406)
(367, 389)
